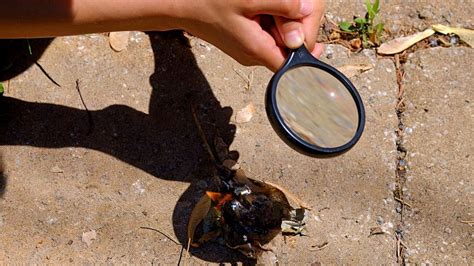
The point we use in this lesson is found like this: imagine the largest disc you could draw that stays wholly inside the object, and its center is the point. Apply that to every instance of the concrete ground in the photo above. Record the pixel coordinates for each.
(79, 185)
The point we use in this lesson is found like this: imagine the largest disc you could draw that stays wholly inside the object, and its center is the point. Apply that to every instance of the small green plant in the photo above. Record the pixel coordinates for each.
(1, 89)
(365, 27)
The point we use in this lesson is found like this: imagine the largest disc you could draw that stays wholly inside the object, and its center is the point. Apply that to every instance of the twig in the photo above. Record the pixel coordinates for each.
(400, 246)
(319, 247)
(323, 208)
(248, 78)
(400, 103)
(180, 255)
(163, 233)
(398, 250)
(46, 74)
(203, 137)
(89, 115)
(402, 202)
(471, 222)
(187, 249)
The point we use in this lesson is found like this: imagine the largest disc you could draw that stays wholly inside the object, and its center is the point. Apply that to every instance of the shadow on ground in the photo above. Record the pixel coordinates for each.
(164, 142)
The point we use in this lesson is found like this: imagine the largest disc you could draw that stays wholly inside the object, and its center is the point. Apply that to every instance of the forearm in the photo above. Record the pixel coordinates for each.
(40, 18)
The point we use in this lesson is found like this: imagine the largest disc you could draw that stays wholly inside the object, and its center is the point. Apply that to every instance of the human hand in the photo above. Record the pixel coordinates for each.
(255, 32)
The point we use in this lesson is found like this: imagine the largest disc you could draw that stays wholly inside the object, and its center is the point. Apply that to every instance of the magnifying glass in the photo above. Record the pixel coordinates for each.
(313, 107)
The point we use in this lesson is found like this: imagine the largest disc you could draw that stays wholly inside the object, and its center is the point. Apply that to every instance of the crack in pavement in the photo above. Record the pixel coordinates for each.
(401, 164)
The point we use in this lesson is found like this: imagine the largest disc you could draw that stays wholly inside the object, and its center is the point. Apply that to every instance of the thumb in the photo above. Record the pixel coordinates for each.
(291, 32)
(293, 9)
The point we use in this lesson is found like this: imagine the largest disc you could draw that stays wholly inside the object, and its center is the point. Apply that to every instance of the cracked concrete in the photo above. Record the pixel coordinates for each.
(129, 173)
(438, 136)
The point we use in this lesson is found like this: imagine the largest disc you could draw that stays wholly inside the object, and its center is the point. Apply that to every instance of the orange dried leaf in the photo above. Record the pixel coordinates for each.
(220, 198)
(214, 196)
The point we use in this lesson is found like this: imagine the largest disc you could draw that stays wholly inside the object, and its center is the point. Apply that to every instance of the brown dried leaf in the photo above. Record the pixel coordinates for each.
(118, 40)
(197, 215)
(241, 178)
(465, 35)
(290, 196)
(334, 35)
(356, 43)
(246, 114)
(400, 44)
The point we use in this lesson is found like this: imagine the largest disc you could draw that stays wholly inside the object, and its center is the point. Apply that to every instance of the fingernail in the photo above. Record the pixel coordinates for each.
(306, 7)
(293, 39)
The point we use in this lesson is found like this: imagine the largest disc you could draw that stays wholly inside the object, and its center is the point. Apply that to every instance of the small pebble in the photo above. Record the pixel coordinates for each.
(433, 42)
(454, 40)
(398, 209)
(380, 220)
(88, 237)
(426, 14)
(403, 163)
(139, 187)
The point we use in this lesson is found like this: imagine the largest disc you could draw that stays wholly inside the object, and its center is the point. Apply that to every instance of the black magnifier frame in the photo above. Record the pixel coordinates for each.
(298, 58)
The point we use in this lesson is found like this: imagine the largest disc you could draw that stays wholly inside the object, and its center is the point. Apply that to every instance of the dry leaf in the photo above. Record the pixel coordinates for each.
(241, 178)
(246, 114)
(465, 35)
(197, 215)
(355, 43)
(334, 35)
(87, 237)
(118, 40)
(400, 44)
(291, 196)
(354, 70)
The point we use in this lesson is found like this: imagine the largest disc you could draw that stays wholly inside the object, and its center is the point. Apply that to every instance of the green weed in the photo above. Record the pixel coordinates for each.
(365, 27)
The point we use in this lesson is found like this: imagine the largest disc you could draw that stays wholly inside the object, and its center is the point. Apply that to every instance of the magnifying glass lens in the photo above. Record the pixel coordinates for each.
(317, 107)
